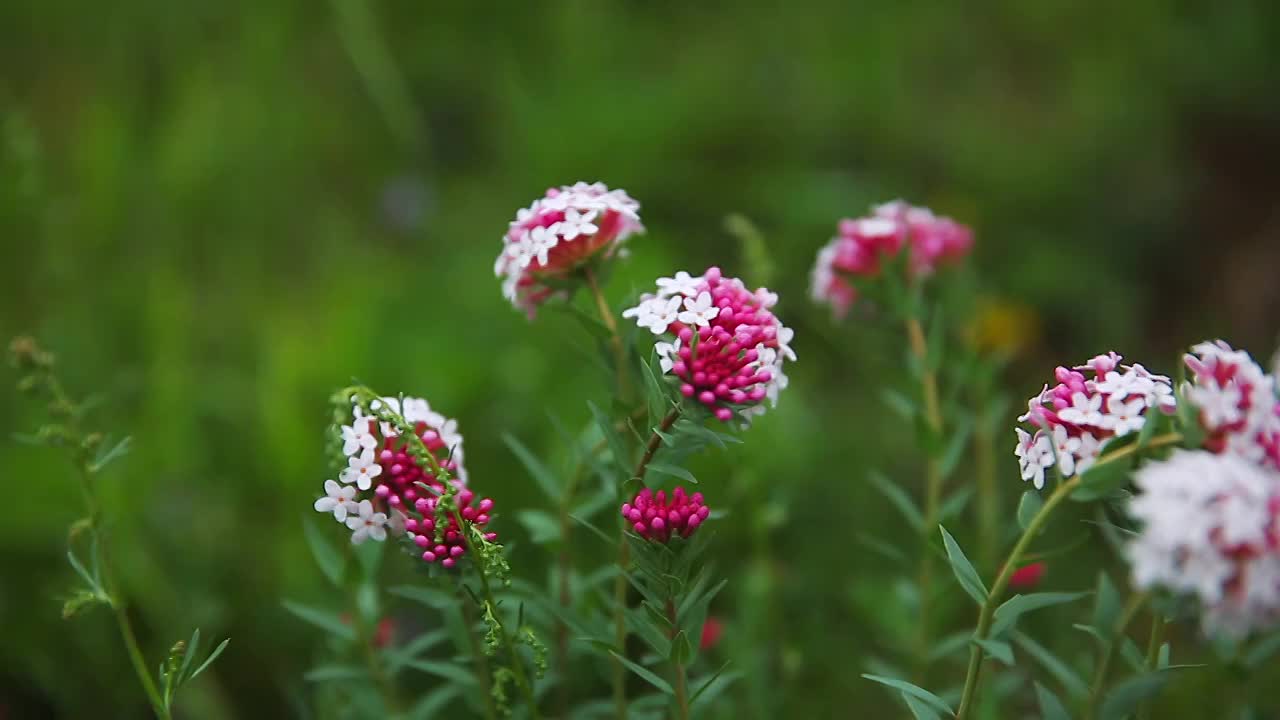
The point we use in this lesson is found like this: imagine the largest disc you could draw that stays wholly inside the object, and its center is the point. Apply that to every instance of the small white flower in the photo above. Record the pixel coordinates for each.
(682, 284)
(1121, 386)
(785, 336)
(1066, 448)
(699, 311)
(655, 313)
(1035, 408)
(357, 438)
(540, 242)
(361, 470)
(368, 524)
(766, 298)
(1034, 455)
(668, 354)
(1084, 410)
(339, 500)
(1219, 406)
(578, 223)
(1088, 452)
(1124, 417)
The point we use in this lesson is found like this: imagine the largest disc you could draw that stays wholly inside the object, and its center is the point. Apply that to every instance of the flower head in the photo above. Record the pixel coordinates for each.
(1091, 404)
(728, 347)
(1237, 403)
(1211, 528)
(389, 487)
(862, 245)
(558, 234)
(659, 516)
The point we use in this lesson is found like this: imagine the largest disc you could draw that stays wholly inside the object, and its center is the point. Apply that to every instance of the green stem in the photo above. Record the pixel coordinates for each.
(677, 667)
(988, 498)
(1108, 653)
(624, 559)
(491, 606)
(933, 492)
(478, 657)
(1154, 641)
(615, 337)
(118, 605)
(973, 675)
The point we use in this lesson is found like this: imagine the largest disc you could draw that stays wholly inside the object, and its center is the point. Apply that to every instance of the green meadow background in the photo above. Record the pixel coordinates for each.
(217, 212)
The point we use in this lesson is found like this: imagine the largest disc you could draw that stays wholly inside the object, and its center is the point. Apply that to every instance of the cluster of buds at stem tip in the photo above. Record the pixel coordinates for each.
(862, 246)
(722, 341)
(549, 242)
(658, 517)
(389, 485)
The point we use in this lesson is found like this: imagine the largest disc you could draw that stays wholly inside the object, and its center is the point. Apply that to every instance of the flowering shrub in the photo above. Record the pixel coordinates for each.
(1183, 484)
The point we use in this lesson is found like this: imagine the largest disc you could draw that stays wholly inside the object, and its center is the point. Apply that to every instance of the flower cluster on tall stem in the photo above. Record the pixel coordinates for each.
(404, 474)
(1090, 405)
(565, 231)
(862, 247)
(722, 341)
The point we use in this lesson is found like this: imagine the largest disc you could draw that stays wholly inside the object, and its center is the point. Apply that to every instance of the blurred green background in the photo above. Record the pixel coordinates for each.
(217, 212)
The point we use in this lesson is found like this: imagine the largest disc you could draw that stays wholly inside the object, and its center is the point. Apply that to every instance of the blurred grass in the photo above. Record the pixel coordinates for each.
(217, 212)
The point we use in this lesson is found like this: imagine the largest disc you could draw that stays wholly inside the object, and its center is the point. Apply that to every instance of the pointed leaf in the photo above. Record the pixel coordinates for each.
(546, 479)
(330, 562)
(1125, 698)
(899, 498)
(708, 682)
(1051, 708)
(674, 471)
(542, 527)
(1028, 507)
(644, 673)
(107, 456)
(919, 710)
(997, 649)
(331, 673)
(960, 565)
(1013, 608)
(448, 671)
(1068, 678)
(929, 698)
(327, 621)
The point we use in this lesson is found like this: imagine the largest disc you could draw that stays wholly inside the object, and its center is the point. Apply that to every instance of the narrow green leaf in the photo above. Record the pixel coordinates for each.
(106, 456)
(1163, 660)
(919, 710)
(1103, 479)
(435, 701)
(327, 621)
(446, 670)
(954, 505)
(956, 445)
(899, 499)
(899, 403)
(963, 569)
(1067, 677)
(617, 448)
(431, 597)
(929, 698)
(708, 682)
(1051, 708)
(1013, 608)
(331, 673)
(951, 644)
(396, 658)
(1106, 605)
(655, 391)
(82, 572)
(1262, 651)
(997, 649)
(644, 673)
(188, 658)
(1028, 507)
(674, 471)
(542, 526)
(881, 547)
(598, 533)
(330, 562)
(1125, 698)
(543, 476)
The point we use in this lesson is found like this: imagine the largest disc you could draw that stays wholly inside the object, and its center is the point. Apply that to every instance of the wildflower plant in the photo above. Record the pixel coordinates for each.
(89, 549)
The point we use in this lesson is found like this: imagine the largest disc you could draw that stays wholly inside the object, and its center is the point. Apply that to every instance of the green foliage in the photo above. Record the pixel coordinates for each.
(963, 569)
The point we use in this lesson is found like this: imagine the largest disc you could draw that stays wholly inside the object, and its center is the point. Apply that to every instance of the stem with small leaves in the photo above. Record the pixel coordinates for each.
(517, 664)
(478, 657)
(624, 559)
(973, 675)
(1108, 653)
(677, 666)
(86, 472)
(933, 488)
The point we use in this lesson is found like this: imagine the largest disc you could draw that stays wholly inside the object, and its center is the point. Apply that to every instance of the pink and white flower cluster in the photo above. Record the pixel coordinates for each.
(1211, 528)
(658, 516)
(726, 345)
(382, 488)
(558, 234)
(1237, 403)
(1091, 404)
(862, 245)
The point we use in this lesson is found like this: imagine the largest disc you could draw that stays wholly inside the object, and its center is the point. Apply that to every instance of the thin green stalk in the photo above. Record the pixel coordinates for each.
(677, 667)
(984, 460)
(478, 657)
(386, 686)
(624, 559)
(973, 675)
(517, 664)
(1154, 641)
(118, 606)
(933, 492)
(615, 337)
(1108, 653)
